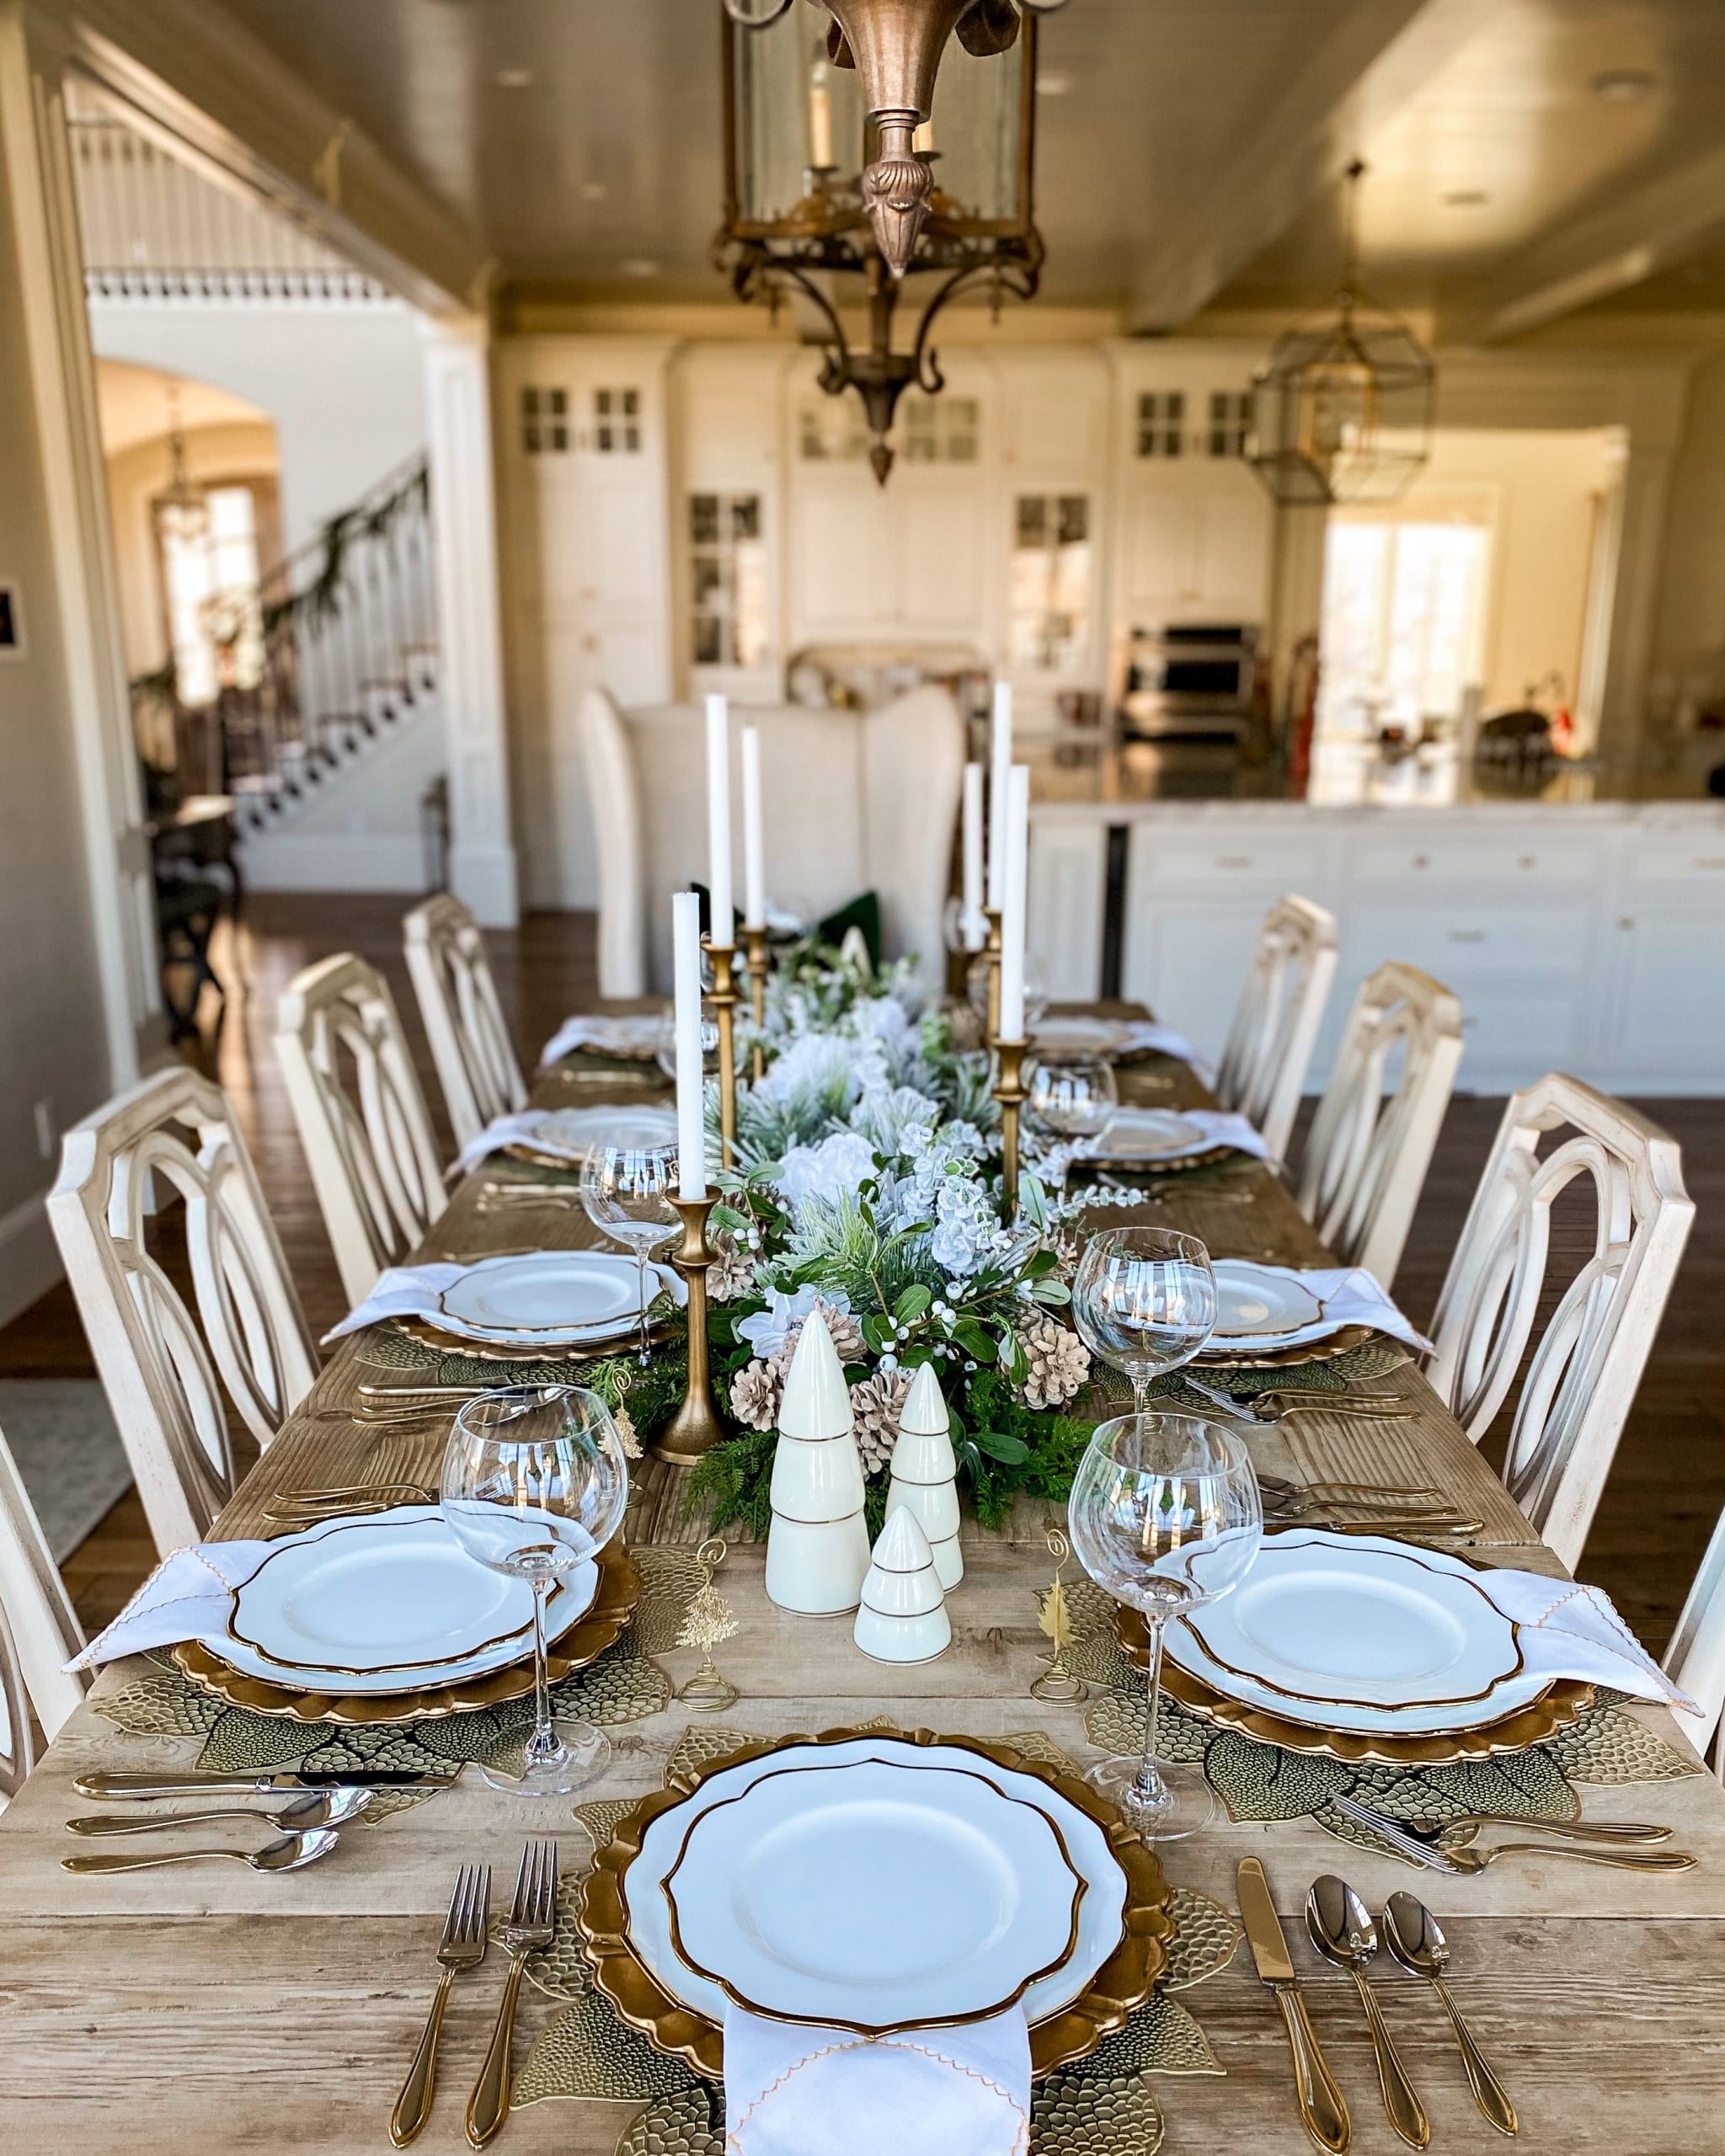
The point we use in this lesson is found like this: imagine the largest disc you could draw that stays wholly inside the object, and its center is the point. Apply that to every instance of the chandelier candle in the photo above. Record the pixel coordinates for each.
(973, 926)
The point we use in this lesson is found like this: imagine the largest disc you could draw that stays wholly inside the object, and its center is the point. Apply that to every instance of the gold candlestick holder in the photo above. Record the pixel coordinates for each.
(696, 1428)
(991, 952)
(724, 996)
(1009, 1092)
(755, 942)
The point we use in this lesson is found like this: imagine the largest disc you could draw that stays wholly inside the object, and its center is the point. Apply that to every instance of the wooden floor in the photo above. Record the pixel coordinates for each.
(1667, 1483)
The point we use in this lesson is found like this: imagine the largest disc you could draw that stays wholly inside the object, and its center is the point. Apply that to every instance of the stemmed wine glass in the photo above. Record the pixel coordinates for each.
(1145, 1301)
(627, 1190)
(1073, 1095)
(535, 1481)
(1165, 1514)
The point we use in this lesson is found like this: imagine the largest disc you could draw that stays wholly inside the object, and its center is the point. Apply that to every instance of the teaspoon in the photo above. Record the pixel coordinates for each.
(331, 1807)
(1416, 1940)
(1343, 1932)
(287, 1855)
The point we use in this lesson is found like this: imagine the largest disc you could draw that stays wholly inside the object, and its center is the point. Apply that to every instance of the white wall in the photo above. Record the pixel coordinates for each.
(1690, 626)
(345, 386)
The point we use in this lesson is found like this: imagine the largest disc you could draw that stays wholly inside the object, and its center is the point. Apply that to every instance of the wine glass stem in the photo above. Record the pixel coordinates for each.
(641, 1299)
(1148, 1786)
(1141, 1394)
(542, 1744)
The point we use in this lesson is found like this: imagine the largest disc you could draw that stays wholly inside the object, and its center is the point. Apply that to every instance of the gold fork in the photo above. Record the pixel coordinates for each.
(466, 1935)
(530, 1930)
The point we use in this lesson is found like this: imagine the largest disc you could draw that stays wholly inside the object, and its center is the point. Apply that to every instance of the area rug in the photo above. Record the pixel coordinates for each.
(67, 1451)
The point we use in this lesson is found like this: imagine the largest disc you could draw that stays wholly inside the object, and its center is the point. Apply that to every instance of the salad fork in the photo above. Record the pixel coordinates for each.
(529, 1930)
(466, 1935)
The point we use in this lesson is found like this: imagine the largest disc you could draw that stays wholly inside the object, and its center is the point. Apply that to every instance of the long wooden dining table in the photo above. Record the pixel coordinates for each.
(205, 2008)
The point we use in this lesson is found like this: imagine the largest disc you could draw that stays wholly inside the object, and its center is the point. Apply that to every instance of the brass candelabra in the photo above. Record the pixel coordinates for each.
(754, 942)
(1010, 1091)
(696, 1427)
(724, 996)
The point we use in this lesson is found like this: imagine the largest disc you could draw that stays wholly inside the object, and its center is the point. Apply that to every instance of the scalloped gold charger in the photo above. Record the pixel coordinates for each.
(1124, 1981)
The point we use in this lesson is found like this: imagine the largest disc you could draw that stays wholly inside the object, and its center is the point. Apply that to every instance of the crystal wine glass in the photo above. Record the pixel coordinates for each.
(1036, 988)
(535, 1482)
(1073, 1095)
(1145, 1301)
(664, 1045)
(1165, 1514)
(628, 1192)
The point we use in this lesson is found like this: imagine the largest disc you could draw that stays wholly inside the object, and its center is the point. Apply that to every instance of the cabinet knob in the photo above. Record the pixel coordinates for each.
(1627, 920)
(1467, 935)
(1527, 860)
(1233, 861)
(1422, 861)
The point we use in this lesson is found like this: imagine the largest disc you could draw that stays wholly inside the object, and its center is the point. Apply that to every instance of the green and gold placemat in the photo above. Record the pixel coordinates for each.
(1103, 2105)
(623, 1684)
(1605, 1747)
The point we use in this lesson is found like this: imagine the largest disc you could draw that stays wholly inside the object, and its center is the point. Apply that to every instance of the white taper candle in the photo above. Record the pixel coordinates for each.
(721, 914)
(691, 1106)
(754, 859)
(974, 927)
(999, 766)
(1012, 908)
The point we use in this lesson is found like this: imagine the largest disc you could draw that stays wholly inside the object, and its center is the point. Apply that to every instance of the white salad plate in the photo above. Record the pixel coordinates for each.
(1265, 1303)
(1101, 1907)
(571, 1133)
(873, 1896)
(386, 1604)
(1359, 1632)
(552, 1296)
(1135, 1134)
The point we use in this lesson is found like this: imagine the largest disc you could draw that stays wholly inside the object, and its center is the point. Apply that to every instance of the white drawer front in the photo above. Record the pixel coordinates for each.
(1505, 863)
(1460, 942)
(1230, 861)
(1694, 860)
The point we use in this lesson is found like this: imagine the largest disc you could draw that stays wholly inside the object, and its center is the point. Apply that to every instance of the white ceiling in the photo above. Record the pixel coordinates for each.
(1187, 156)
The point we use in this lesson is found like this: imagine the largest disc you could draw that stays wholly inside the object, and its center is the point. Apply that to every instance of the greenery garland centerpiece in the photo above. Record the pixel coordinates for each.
(867, 1179)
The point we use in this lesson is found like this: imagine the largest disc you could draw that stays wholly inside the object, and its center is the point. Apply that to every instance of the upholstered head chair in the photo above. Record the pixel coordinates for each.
(851, 801)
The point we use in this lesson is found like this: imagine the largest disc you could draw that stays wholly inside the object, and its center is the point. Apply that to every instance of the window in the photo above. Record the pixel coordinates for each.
(1049, 598)
(727, 580)
(210, 589)
(833, 431)
(1161, 423)
(939, 429)
(1229, 422)
(1402, 624)
(545, 421)
(616, 422)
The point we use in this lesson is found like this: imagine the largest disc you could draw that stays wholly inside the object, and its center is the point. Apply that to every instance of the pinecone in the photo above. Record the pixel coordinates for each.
(733, 1276)
(1059, 1360)
(844, 1326)
(756, 1390)
(876, 1406)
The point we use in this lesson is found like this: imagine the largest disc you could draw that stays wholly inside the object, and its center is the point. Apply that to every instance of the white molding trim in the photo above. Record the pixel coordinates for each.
(317, 860)
(29, 1263)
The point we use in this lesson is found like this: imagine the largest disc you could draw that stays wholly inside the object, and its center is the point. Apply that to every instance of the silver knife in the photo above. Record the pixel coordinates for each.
(1323, 2108)
(140, 1786)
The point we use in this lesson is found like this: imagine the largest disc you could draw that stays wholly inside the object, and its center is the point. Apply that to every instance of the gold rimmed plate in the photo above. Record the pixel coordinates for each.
(616, 1594)
(1342, 1341)
(427, 1335)
(1133, 1953)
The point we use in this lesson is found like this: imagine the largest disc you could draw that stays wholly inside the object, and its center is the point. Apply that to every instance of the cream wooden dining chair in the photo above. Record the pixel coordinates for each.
(1695, 1659)
(39, 1634)
(1372, 1139)
(475, 1061)
(1581, 1378)
(1271, 1042)
(171, 1369)
(360, 1114)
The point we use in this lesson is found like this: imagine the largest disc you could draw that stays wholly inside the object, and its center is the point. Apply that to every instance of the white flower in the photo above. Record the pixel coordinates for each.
(770, 1330)
(813, 1064)
(835, 1168)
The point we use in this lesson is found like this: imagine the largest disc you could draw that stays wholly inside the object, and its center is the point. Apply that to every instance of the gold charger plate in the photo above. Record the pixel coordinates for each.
(1561, 1704)
(1123, 1983)
(599, 1625)
(457, 1343)
(1148, 1165)
(1340, 1343)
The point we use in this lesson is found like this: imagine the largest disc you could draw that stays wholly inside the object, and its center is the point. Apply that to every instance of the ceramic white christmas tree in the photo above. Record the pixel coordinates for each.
(817, 1548)
(904, 1613)
(924, 1472)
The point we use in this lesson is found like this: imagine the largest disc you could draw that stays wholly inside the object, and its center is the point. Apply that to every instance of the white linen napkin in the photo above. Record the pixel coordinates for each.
(1140, 1035)
(403, 1291)
(632, 1035)
(187, 1597)
(1570, 1630)
(502, 1130)
(792, 2088)
(1350, 1295)
(1219, 1126)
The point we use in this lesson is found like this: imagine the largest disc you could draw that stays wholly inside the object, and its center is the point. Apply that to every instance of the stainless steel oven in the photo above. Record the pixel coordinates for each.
(1191, 680)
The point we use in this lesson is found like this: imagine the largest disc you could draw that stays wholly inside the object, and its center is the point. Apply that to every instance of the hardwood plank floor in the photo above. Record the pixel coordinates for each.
(1668, 1482)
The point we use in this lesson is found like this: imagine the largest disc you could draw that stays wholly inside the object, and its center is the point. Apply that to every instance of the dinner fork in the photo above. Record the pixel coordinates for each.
(466, 1935)
(1459, 1859)
(529, 1930)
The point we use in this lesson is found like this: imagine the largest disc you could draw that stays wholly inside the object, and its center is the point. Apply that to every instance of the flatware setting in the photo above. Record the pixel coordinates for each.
(466, 1936)
(1416, 1940)
(140, 1787)
(1460, 1858)
(331, 1807)
(1323, 2108)
(529, 1929)
(1342, 1929)
(289, 1853)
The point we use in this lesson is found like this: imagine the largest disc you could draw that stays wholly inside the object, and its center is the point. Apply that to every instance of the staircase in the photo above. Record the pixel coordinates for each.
(348, 662)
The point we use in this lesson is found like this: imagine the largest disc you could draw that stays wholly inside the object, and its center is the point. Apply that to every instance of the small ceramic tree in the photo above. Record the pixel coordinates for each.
(817, 1548)
(924, 1472)
(903, 1616)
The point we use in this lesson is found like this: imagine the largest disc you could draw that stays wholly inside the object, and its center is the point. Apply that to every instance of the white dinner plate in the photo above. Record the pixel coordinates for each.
(571, 1133)
(1075, 1036)
(386, 1604)
(1261, 1302)
(1131, 1135)
(874, 1895)
(1100, 1911)
(1359, 1632)
(551, 1295)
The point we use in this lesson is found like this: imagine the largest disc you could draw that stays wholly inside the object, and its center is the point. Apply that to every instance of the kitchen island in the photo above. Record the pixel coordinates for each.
(1579, 917)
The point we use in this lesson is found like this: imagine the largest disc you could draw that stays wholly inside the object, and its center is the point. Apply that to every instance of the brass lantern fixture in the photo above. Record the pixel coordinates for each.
(1343, 406)
(835, 168)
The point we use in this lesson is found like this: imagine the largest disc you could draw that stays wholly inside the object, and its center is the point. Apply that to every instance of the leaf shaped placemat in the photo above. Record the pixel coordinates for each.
(1605, 1745)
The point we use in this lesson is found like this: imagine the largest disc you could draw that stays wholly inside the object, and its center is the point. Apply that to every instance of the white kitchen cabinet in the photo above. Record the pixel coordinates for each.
(1065, 906)
(1195, 540)
(1668, 1000)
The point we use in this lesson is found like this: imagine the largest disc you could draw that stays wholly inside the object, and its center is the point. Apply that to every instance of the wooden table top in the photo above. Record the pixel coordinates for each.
(205, 2007)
